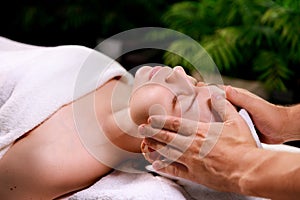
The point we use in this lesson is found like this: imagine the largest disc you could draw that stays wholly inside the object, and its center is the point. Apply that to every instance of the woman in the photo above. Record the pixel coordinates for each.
(47, 153)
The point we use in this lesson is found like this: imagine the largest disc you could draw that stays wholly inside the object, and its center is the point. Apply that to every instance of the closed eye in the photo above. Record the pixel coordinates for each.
(174, 101)
(192, 102)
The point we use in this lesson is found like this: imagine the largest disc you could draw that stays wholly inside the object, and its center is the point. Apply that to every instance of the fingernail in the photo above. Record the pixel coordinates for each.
(231, 90)
(156, 121)
(149, 120)
(142, 129)
(157, 165)
(217, 97)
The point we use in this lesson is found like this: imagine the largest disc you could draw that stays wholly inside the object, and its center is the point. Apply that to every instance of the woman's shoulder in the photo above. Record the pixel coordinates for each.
(71, 48)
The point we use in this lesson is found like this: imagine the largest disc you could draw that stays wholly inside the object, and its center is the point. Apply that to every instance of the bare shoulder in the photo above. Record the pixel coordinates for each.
(50, 157)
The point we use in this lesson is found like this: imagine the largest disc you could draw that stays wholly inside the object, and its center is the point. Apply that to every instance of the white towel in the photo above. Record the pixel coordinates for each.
(250, 124)
(138, 186)
(36, 81)
(146, 186)
(273, 147)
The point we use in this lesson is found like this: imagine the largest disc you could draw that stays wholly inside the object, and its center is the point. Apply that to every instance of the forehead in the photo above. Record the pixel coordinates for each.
(153, 93)
(166, 76)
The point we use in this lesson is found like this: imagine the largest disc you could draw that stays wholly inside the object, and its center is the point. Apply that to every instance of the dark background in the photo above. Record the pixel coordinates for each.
(82, 22)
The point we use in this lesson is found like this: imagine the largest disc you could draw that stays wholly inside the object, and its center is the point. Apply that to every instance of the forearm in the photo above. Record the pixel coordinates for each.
(271, 174)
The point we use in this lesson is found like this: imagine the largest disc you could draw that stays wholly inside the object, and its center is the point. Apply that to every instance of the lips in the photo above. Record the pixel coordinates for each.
(154, 71)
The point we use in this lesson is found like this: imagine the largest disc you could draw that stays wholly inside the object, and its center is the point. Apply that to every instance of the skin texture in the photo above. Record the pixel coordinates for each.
(61, 164)
(52, 161)
(234, 163)
(274, 122)
(169, 92)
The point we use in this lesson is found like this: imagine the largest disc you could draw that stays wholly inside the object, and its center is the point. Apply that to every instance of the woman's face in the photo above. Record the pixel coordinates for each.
(166, 91)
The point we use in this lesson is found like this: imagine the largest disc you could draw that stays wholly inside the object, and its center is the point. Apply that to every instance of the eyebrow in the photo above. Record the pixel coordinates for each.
(174, 100)
(190, 106)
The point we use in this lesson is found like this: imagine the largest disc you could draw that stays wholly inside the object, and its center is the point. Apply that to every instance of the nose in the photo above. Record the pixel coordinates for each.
(180, 82)
(180, 70)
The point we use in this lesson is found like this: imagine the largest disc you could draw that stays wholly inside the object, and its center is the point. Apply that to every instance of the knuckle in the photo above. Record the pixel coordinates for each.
(171, 169)
(195, 147)
(233, 123)
(201, 133)
(175, 125)
(227, 103)
(148, 131)
(175, 170)
(165, 136)
(167, 151)
(185, 159)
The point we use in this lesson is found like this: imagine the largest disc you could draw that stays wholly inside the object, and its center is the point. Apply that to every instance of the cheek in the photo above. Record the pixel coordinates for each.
(138, 111)
(149, 100)
(158, 109)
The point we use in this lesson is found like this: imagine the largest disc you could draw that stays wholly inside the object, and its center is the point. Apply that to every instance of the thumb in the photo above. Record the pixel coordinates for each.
(243, 98)
(223, 107)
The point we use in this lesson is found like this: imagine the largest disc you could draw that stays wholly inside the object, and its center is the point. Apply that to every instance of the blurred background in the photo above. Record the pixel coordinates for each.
(255, 43)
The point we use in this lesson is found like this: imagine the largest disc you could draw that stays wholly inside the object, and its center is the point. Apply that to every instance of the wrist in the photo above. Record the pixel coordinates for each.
(292, 127)
(271, 174)
(247, 180)
(257, 179)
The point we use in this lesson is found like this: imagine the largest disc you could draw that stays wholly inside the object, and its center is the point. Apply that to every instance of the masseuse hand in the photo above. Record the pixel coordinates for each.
(208, 153)
(271, 120)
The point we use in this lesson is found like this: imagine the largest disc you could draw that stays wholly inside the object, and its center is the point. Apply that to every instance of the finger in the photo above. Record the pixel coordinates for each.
(177, 141)
(211, 139)
(174, 169)
(244, 99)
(181, 126)
(171, 154)
(223, 107)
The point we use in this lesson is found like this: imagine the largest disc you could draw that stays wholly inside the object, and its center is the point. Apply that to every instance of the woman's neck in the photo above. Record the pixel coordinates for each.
(112, 110)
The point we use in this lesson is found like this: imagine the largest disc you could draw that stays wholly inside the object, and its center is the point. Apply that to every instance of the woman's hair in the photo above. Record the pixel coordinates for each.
(197, 75)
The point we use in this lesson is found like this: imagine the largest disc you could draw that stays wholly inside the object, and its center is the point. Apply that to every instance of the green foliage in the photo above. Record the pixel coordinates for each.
(259, 36)
(53, 22)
